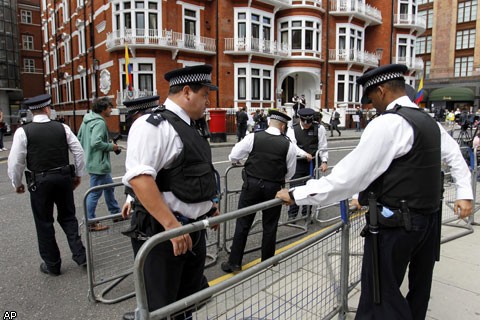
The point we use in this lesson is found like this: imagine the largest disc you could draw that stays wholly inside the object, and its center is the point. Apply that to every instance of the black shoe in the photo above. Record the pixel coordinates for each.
(339, 134)
(44, 269)
(229, 268)
(331, 135)
(129, 316)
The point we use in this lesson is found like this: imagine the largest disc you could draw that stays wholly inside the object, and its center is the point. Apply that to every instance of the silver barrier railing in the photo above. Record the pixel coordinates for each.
(110, 255)
(109, 252)
(231, 195)
(243, 295)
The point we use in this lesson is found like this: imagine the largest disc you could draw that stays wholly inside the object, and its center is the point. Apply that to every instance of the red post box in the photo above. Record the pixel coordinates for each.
(218, 125)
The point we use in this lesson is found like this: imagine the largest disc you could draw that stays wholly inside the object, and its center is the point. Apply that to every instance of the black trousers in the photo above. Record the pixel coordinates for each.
(241, 131)
(169, 278)
(397, 250)
(302, 170)
(334, 126)
(255, 191)
(55, 188)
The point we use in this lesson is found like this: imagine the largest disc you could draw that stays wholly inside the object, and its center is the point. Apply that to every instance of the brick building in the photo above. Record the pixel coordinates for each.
(263, 51)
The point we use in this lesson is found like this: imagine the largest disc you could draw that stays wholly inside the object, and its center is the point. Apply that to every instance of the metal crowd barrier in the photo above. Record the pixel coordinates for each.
(231, 195)
(110, 255)
(305, 281)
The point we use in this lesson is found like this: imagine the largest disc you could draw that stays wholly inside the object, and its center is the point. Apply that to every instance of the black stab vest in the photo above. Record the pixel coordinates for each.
(416, 176)
(268, 158)
(307, 140)
(47, 146)
(191, 177)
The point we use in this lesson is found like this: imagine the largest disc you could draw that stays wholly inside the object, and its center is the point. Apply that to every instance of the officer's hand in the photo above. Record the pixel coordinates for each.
(285, 197)
(126, 209)
(309, 157)
(324, 166)
(181, 244)
(76, 182)
(354, 205)
(463, 208)
(20, 189)
(216, 213)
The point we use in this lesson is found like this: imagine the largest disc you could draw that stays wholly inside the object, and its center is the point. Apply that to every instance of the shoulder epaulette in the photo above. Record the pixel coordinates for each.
(155, 117)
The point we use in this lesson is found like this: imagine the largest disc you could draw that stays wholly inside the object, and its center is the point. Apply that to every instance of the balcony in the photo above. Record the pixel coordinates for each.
(257, 47)
(350, 57)
(410, 21)
(160, 39)
(134, 94)
(356, 9)
(288, 4)
(410, 62)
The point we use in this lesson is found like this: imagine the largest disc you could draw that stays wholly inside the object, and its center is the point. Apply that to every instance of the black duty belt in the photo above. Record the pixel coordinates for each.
(69, 169)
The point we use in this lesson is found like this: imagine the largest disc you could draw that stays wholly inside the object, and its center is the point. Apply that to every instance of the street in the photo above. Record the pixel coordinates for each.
(34, 295)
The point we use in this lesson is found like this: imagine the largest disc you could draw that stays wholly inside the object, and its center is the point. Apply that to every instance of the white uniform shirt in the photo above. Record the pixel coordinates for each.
(386, 138)
(152, 148)
(242, 149)
(322, 141)
(17, 160)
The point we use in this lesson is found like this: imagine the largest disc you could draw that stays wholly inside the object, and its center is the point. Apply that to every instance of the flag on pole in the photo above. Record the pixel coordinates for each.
(419, 96)
(128, 70)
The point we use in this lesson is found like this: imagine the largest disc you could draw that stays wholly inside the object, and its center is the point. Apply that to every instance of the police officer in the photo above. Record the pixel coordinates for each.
(271, 161)
(169, 168)
(42, 147)
(310, 137)
(399, 159)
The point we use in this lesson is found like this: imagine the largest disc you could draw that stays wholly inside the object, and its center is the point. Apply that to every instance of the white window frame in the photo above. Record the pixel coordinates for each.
(82, 76)
(316, 32)
(410, 47)
(428, 65)
(27, 42)
(46, 59)
(66, 46)
(28, 65)
(348, 37)
(26, 16)
(118, 17)
(136, 72)
(81, 40)
(68, 89)
(54, 58)
(248, 68)
(356, 88)
(255, 43)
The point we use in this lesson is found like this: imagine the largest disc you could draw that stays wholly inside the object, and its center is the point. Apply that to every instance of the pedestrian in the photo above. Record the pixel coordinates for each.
(296, 105)
(93, 136)
(42, 147)
(3, 129)
(310, 137)
(241, 118)
(398, 159)
(358, 116)
(302, 102)
(169, 168)
(334, 122)
(271, 161)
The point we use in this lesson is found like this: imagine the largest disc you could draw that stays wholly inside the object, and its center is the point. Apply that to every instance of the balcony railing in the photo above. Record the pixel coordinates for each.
(167, 39)
(255, 45)
(133, 94)
(411, 21)
(353, 56)
(411, 63)
(356, 7)
(31, 70)
(285, 4)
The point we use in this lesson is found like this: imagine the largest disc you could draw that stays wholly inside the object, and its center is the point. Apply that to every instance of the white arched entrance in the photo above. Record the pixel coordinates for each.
(298, 80)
